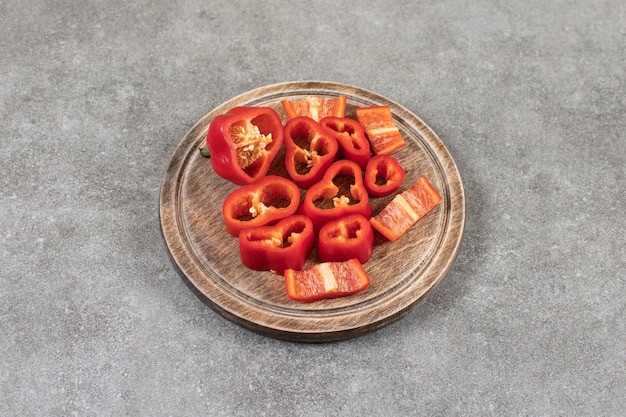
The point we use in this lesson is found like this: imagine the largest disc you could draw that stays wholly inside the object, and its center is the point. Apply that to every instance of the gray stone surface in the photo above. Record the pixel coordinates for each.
(530, 98)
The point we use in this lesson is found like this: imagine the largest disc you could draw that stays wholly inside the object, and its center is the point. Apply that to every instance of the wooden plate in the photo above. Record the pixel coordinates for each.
(403, 273)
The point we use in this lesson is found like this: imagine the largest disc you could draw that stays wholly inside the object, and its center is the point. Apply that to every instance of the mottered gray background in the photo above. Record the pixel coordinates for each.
(530, 99)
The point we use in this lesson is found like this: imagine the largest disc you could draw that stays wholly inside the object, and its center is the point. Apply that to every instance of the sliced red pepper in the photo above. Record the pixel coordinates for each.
(326, 280)
(243, 142)
(383, 175)
(339, 193)
(406, 209)
(264, 202)
(310, 150)
(285, 245)
(381, 130)
(351, 137)
(346, 238)
(315, 107)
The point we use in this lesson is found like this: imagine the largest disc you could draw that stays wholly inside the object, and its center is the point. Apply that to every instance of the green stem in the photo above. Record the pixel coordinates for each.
(205, 152)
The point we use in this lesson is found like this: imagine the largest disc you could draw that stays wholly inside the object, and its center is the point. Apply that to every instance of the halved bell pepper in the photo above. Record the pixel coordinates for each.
(315, 107)
(406, 209)
(383, 175)
(381, 130)
(326, 280)
(309, 150)
(243, 142)
(339, 193)
(264, 202)
(346, 238)
(286, 245)
(353, 143)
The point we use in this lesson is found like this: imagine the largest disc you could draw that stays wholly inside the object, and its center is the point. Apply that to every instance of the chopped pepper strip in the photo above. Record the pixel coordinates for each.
(353, 143)
(264, 202)
(346, 238)
(339, 193)
(406, 209)
(383, 175)
(243, 142)
(286, 245)
(315, 107)
(326, 280)
(381, 130)
(309, 150)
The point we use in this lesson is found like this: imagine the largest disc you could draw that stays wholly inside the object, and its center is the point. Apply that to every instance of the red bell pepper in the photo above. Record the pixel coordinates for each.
(326, 280)
(285, 245)
(310, 150)
(353, 143)
(264, 202)
(315, 107)
(381, 130)
(383, 175)
(243, 142)
(346, 238)
(406, 209)
(339, 193)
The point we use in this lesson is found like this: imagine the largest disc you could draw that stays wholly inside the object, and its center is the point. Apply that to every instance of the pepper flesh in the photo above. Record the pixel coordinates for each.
(406, 209)
(286, 245)
(268, 200)
(383, 175)
(353, 143)
(315, 107)
(339, 193)
(346, 238)
(243, 142)
(326, 280)
(309, 150)
(381, 130)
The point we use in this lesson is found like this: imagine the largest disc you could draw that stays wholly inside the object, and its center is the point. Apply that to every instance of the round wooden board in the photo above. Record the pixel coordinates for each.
(403, 273)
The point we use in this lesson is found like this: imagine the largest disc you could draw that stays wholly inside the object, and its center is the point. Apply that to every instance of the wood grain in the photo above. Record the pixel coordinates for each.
(402, 273)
